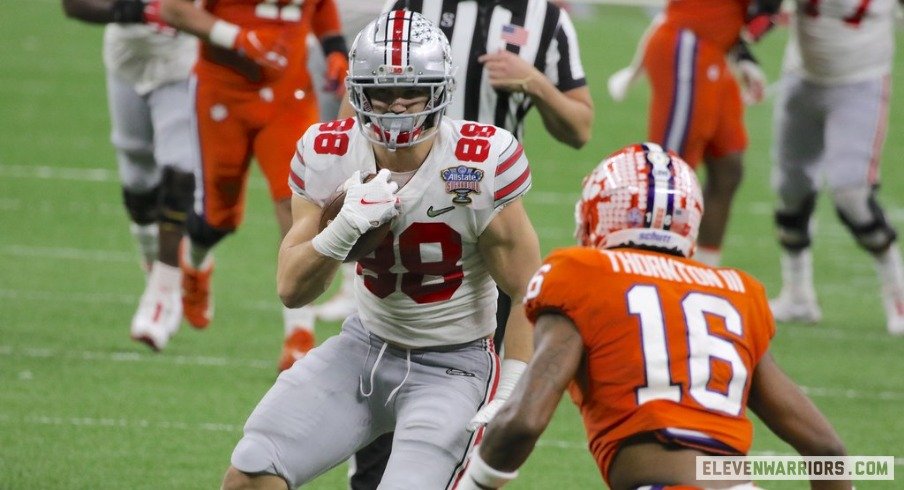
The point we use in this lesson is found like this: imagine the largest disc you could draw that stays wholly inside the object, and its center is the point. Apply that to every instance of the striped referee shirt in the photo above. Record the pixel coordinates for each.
(536, 30)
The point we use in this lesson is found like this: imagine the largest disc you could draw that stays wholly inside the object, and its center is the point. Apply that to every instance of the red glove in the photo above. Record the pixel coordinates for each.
(758, 26)
(263, 47)
(336, 71)
(761, 16)
(153, 18)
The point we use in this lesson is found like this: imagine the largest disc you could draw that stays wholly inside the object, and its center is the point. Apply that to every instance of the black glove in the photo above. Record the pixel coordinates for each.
(128, 11)
(761, 18)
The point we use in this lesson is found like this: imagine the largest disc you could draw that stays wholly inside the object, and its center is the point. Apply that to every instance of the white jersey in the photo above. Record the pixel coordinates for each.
(841, 41)
(139, 55)
(429, 285)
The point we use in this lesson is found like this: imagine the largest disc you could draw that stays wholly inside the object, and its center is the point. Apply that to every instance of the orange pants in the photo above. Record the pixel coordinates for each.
(695, 108)
(235, 124)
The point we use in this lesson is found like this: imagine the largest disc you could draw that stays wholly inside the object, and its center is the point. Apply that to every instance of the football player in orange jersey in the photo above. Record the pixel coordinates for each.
(696, 104)
(253, 97)
(662, 354)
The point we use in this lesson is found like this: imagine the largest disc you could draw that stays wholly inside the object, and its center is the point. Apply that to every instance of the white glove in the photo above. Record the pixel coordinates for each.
(366, 206)
(622, 80)
(753, 81)
(512, 369)
(369, 205)
(619, 83)
(485, 414)
(354, 179)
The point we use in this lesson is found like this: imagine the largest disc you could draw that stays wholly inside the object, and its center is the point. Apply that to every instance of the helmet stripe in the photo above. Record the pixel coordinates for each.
(660, 195)
(651, 197)
(399, 34)
(670, 198)
(651, 187)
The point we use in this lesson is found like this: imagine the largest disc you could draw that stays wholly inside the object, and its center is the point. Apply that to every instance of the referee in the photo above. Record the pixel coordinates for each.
(511, 55)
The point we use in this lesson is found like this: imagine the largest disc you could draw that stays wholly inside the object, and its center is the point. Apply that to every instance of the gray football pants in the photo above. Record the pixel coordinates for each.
(151, 132)
(832, 132)
(355, 387)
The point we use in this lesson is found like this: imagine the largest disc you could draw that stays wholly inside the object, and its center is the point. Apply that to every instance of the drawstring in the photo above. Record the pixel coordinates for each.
(372, 373)
(407, 372)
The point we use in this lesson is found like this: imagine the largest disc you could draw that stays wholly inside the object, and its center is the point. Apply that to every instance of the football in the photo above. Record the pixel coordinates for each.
(369, 241)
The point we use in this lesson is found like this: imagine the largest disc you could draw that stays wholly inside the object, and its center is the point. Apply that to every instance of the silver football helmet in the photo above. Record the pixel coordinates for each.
(400, 49)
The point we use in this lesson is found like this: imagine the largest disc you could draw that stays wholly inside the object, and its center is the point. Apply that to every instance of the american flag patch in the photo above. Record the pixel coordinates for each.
(513, 34)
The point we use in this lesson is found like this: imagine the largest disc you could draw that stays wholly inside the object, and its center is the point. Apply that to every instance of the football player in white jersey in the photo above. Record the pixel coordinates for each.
(418, 357)
(830, 122)
(148, 67)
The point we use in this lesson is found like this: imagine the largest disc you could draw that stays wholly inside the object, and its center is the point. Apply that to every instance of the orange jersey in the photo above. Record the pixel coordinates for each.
(716, 21)
(286, 22)
(671, 345)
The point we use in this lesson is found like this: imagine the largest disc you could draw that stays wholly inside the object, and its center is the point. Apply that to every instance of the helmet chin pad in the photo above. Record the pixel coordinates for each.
(396, 134)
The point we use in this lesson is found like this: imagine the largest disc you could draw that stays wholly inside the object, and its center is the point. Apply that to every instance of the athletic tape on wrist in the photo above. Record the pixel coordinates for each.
(337, 239)
(224, 34)
(485, 475)
(512, 369)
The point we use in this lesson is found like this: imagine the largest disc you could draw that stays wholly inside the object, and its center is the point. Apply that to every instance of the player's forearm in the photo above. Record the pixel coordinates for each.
(509, 443)
(94, 11)
(511, 251)
(518, 333)
(790, 414)
(567, 119)
(185, 16)
(512, 434)
(302, 273)
(104, 11)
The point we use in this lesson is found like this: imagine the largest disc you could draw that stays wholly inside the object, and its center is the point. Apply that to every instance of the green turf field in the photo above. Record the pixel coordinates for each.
(83, 407)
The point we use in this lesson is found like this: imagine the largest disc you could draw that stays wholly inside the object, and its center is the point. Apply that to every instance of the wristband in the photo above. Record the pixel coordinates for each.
(224, 34)
(512, 369)
(334, 44)
(485, 475)
(337, 239)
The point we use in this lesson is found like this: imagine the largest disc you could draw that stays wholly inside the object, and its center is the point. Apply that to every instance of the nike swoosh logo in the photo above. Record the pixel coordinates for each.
(366, 202)
(434, 213)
